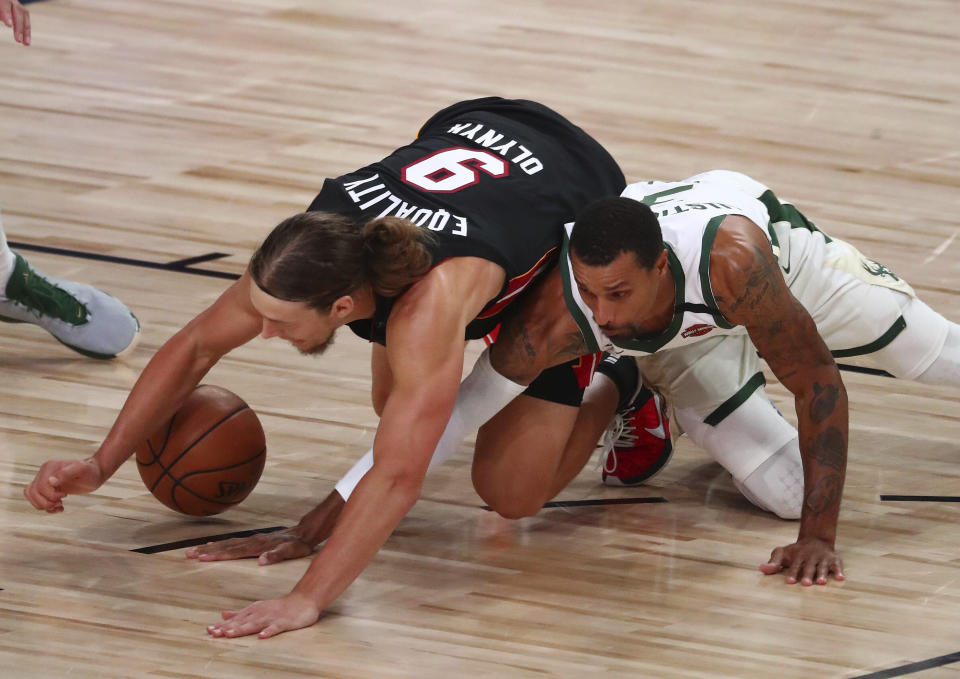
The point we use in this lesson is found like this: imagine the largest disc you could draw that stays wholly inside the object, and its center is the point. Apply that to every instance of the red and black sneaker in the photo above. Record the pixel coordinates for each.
(637, 443)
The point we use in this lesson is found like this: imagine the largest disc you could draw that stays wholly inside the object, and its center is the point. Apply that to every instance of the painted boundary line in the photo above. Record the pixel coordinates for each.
(912, 667)
(193, 542)
(180, 265)
(591, 503)
(919, 498)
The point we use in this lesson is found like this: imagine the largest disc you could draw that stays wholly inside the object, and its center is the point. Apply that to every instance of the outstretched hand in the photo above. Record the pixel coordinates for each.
(268, 548)
(268, 618)
(14, 15)
(806, 561)
(292, 543)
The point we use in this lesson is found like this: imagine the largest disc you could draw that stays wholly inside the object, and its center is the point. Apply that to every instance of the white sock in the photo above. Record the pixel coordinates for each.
(6, 260)
(482, 395)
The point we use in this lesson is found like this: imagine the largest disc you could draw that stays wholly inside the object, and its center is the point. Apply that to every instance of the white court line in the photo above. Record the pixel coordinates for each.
(939, 250)
(927, 161)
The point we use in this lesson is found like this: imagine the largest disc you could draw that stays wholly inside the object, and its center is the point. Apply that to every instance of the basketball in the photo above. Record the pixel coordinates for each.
(207, 457)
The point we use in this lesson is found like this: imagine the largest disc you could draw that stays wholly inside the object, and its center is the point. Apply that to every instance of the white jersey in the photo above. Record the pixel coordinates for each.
(709, 371)
(690, 212)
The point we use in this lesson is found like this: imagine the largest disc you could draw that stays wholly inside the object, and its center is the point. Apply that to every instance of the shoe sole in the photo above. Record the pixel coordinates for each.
(85, 352)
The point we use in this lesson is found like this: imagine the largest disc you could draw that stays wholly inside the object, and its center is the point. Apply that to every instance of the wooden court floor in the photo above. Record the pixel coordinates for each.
(153, 132)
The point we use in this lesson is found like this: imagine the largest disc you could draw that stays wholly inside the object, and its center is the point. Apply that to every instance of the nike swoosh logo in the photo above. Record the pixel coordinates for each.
(778, 249)
(659, 430)
(776, 253)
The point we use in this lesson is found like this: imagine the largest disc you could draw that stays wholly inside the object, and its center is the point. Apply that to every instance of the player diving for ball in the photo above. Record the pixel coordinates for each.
(688, 281)
(539, 457)
(433, 244)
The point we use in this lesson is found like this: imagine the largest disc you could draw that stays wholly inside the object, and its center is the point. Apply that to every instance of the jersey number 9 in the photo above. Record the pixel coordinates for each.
(454, 169)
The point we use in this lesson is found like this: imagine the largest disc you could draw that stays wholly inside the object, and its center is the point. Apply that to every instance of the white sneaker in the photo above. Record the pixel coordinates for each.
(86, 319)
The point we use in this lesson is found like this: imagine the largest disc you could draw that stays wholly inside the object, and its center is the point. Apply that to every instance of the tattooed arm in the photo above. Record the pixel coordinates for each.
(539, 333)
(750, 290)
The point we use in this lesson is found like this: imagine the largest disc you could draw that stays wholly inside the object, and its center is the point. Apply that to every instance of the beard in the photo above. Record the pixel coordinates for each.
(317, 349)
(624, 332)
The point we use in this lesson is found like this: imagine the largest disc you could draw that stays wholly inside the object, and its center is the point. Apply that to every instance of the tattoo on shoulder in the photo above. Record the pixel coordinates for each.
(824, 401)
(759, 284)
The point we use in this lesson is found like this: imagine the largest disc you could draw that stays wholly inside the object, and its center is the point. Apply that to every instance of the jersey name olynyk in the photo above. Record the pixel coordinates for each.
(369, 192)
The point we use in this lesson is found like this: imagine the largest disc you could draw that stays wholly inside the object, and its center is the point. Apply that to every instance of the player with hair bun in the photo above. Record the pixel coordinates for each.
(441, 241)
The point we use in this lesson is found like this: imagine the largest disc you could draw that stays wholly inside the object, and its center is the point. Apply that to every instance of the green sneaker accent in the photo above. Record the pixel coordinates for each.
(41, 297)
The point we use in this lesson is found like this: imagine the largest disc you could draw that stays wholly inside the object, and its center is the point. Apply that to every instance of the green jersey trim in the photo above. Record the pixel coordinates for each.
(654, 197)
(785, 212)
(898, 326)
(709, 234)
(585, 329)
(735, 401)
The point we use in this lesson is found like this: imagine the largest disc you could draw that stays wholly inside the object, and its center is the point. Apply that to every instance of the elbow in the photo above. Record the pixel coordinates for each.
(186, 349)
(824, 388)
(824, 404)
(405, 489)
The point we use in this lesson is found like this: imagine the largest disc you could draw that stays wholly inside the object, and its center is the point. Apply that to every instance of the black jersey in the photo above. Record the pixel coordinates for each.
(492, 178)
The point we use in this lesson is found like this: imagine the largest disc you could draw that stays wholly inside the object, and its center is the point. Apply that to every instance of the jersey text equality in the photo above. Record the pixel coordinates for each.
(435, 220)
(367, 192)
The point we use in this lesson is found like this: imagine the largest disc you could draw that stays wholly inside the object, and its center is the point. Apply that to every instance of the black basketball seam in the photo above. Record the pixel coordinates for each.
(157, 456)
(229, 466)
(166, 440)
(178, 483)
(166, 470)
(173, 498)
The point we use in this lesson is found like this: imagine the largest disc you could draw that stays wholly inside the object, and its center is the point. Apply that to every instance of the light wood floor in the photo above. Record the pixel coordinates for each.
(170, 129)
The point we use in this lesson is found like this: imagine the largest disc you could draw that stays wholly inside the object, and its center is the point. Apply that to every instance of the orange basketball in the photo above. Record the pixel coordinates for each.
(208, 457)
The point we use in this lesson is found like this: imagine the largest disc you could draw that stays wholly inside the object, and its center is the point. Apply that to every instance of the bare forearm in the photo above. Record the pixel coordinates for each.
(418, 407)
(823, 423)
(387, 492)
(164, 384)
(369, 517)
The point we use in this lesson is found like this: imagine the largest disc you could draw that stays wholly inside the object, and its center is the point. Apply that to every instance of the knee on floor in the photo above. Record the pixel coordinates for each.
(510, 503)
